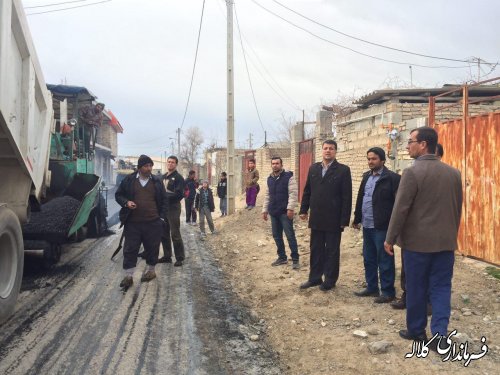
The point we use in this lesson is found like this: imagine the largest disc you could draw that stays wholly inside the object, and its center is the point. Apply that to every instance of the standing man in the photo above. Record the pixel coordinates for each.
(374, 204)
(424, 223)
(91, 117)
(328, 194)
(280, 201)
(252, 187)
(144, 204)
(204, 203)
(400, 304)
(174, 185)
(189, 195)
(222, 193)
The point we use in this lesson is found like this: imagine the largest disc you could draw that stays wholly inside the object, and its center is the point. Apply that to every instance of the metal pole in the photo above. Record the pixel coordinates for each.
(411, 76)
(230, 111)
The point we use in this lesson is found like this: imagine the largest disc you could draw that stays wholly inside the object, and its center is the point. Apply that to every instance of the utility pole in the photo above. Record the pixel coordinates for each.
(478, 69)
(411, 76)
(230, 111)
(250, 141)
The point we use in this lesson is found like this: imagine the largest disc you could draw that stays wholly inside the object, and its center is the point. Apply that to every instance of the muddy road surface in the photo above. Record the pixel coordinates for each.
(74, 319)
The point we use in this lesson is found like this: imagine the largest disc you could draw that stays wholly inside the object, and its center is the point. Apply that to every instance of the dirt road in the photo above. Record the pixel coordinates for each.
(75, 320)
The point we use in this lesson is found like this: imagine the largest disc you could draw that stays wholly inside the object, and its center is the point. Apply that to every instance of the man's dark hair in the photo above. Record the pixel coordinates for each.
(377, 151)
(191, 172)
(330, 142)
(439, 150)
(277, 158)
(173, 157)
(224, 174)
(429, 135)
(252, 161)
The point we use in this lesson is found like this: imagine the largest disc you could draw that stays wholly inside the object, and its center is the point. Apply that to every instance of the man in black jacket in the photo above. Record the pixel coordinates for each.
(174, 185)
(204, 203)
(222, 193)
(374, 204)
(190, 188)
(144, 204)
(328, 194)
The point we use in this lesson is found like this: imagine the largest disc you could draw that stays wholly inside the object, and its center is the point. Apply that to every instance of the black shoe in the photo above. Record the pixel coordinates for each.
(279, 262)
(400, 304)
(384, 299)
(367, 293)
(127, 282)
(141, 255)
(404, 334)
(165, 259)
(326, 287)
(310, 284)
(178, 263)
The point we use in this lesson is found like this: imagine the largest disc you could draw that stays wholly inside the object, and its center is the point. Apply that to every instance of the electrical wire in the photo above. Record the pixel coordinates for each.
(55, 4)
(194, 66)
(69, 8)
(283, 95)
(366, 41)
(248, 72)
(353, 50)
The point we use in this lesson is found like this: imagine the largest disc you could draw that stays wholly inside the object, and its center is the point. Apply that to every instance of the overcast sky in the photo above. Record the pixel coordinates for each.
(137, 57)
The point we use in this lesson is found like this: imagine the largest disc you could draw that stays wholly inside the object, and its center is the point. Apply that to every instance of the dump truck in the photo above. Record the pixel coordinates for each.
(49, 194)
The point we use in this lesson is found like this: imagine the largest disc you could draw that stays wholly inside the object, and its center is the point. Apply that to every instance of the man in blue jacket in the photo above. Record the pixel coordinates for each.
(280, 201)
(376, 197)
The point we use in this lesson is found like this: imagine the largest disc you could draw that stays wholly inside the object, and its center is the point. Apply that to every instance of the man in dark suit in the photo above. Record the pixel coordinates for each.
(328, 195)
(424, 223)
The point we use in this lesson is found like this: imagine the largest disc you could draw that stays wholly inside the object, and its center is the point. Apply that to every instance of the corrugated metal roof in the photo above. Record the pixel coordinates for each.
(422, 94)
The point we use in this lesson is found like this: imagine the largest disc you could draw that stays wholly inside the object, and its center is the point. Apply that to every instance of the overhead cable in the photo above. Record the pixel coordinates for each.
(248, 72)
(367, 41)
(194, 65)
(352, 49)
(69, 8)
(55, 4)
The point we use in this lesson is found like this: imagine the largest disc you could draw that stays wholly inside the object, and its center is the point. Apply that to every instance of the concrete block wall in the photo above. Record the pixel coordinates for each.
(322, 132)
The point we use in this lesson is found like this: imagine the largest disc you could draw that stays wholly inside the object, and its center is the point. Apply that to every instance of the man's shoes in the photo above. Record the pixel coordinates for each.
(384, 299)
(250, 207)
(165, 259)
(295, 265)
(127, 282)
(178, 263)
(214, 232)
(399, 304)
(367, 293)
(141, 255)
(325, 287)
(148, 276)
(279, 262)
(310, 284)
(407, 336)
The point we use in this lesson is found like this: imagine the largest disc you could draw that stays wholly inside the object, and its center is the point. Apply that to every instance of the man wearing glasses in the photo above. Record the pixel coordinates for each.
(424, 223)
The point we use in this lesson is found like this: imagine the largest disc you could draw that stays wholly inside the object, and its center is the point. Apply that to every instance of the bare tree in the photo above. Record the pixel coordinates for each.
(190, 147)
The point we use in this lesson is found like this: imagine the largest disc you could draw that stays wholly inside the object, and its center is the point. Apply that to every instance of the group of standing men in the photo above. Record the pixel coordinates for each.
(419, 211)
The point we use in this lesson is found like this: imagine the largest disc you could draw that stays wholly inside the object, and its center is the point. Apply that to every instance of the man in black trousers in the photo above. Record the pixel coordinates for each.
(144, 204)
(328, 195)
(174, 185)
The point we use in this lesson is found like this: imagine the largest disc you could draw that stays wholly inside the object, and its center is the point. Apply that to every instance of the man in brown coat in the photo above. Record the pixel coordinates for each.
(424, 223)
(252, 187)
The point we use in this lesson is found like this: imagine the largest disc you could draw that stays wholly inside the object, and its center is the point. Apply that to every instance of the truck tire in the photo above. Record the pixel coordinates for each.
(11, 261)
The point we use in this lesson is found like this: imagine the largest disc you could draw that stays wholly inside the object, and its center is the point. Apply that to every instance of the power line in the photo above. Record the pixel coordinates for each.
(353, 50)
(69, 8)
(194, 65)
(246, 66)
(286, 98)
(55, 4)
(366, 41)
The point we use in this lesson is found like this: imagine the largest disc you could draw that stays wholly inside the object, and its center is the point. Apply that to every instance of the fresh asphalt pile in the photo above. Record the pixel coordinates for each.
(54, 218)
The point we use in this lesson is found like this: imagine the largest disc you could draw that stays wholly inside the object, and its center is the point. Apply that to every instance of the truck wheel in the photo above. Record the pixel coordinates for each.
(11, 261)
